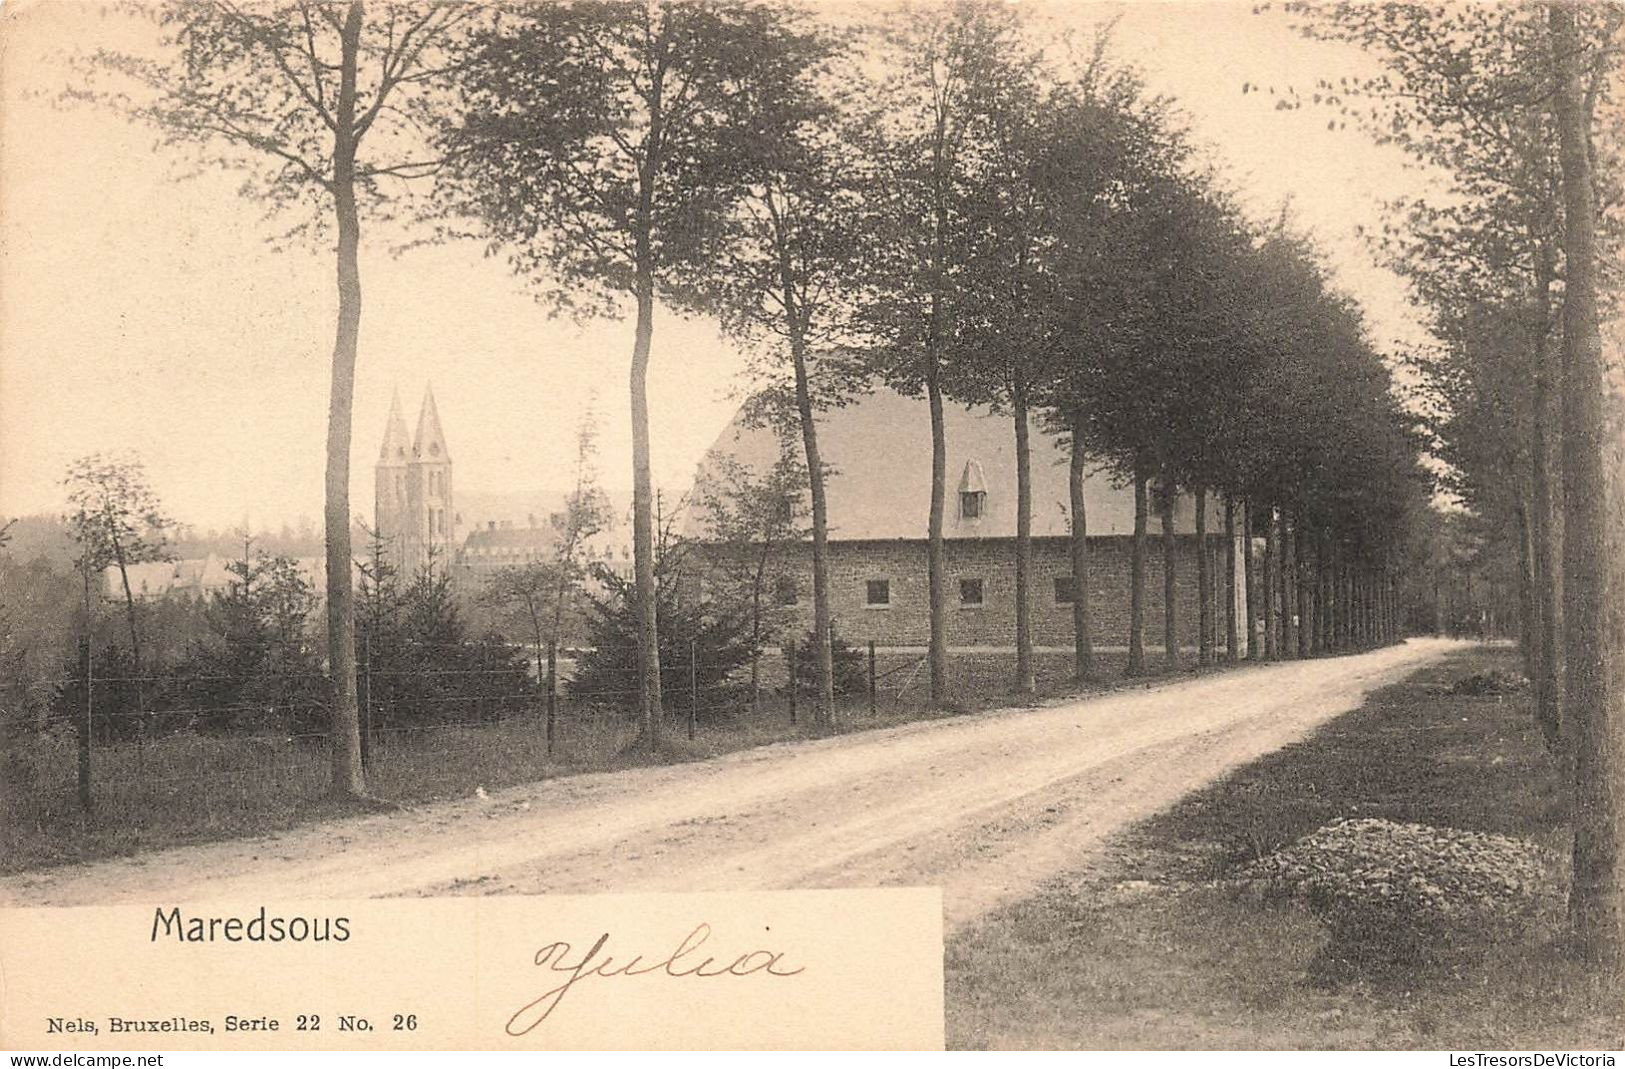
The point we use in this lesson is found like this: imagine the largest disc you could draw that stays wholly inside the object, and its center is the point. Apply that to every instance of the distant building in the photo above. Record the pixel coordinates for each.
(416, 512)
(196, 578)
(502, 545)
(878, 450)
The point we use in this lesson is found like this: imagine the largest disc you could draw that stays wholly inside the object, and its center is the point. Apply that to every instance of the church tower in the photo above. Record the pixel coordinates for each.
(390, 509)
(414, 511)
(428, 485)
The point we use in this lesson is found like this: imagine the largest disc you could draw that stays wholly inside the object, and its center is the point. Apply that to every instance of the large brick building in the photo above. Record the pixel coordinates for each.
(878, 451)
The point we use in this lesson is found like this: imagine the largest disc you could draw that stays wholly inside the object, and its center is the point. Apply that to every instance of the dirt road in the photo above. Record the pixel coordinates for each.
(986, 806)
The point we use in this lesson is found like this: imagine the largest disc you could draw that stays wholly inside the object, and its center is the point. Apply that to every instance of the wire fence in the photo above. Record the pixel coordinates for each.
(125, 745)
(127, 761)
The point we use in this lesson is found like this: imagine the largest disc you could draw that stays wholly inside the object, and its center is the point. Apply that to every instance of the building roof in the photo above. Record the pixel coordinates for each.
(543, 538)
(878, 451)
(197, 576)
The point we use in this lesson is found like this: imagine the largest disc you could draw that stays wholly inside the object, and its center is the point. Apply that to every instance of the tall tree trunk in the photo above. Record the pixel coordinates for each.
(1529, 608)
(1026, 680)
(345, 727)
(756, 628)
(643, 541)
(129, 595)
(1546, 513)
(1345, 606)
(1379, 582)
(84, 727)
(823, 655)
(1300, 588)
(1249, 585)
(1396, 607)
(1232, 640)
(1136, 584)
(1593, 540)
(651, 708)
(1300, 577)
(1357, 605)
(551, 671)
(1170, 565)
(1289, 586)
(1322, 580)
(1354, 622)
(1269, 585)
(1083, 646)
(936, 561)
(1339, 600)
(1368, 606)
(1356, 634)
(1204, 583)
(1379, 599)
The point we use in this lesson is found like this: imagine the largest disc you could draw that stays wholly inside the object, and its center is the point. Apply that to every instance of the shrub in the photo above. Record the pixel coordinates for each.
(851, 667)
(1400, 893)
(711, 640)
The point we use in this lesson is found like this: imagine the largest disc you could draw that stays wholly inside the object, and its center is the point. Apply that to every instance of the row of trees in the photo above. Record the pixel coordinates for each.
(1517, 261)
(978, 226)
(978, 221)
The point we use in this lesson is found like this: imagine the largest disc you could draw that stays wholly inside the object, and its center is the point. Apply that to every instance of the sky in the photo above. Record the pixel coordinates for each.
(144, 309)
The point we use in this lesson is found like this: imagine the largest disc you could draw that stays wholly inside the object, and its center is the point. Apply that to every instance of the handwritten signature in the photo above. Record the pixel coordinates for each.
(597, 962)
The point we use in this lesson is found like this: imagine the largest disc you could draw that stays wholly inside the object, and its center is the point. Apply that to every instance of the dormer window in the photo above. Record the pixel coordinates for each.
(972, 492)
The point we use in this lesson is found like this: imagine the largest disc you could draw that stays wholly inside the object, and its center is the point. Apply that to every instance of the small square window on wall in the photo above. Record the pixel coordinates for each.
(1065, 590)
(972, 503)
(970, 593)
(877, 593)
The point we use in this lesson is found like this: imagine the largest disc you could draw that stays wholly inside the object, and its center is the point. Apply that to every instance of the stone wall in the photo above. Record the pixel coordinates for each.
(904, 621)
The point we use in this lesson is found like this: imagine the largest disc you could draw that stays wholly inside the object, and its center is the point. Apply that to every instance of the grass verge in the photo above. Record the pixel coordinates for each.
(192, 788)
(1144, 950)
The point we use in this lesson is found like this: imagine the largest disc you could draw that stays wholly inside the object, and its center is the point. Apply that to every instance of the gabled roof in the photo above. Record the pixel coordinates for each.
(973, 481)
(878, 451)
(397, 446)
(430, 442)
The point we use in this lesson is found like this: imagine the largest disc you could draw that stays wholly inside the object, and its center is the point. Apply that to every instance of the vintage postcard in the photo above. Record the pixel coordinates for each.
(762, 524)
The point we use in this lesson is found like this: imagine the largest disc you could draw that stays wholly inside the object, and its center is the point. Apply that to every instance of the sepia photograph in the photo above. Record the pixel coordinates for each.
(812, 524)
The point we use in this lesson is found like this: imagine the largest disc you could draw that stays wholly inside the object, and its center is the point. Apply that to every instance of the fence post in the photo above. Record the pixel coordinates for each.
(84, 725)
(871, 677)
(790, 658)
(693, 685)
(552, 690)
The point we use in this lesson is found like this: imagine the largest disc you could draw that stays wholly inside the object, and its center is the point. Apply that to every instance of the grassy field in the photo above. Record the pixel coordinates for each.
(195, 788)
(1142, 948)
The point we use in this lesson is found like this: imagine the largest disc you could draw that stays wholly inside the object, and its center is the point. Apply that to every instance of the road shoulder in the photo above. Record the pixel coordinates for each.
(1146, 945)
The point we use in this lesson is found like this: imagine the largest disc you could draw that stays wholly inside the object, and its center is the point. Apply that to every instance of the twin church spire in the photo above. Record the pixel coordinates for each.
(413, 490)
(428, 445)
